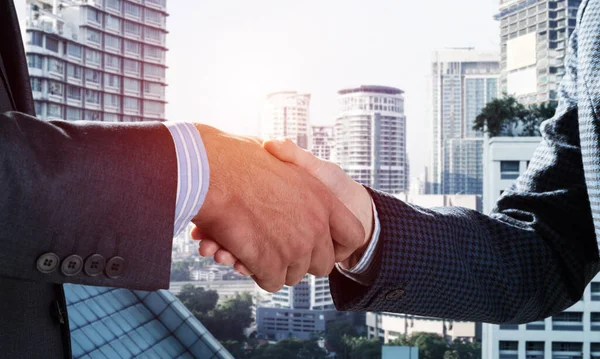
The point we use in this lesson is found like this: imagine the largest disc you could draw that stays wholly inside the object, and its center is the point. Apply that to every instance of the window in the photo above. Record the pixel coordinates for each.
(111, 81)
(74, 50)
(56, 66)
(36, 84)
(55, 110)
(34, 61)
(112, 42)
(154, 70)
(74, 93)
(154, 16)
(113, 4)
(111, 117)
(92, 115)
(132, 66)
(93, 57)
(113, 23)
(55, 88)
(130, 103)
(112, 61)
(73, 114)
(154, 107)
(153, 88)
(92, 76)
(133, 28)
(111, 100)
(51, 44)
(509, 170)
(133, 47)
(36, 38)
(73, 71)
(94, 15)
(132, 85)
(133, 10)
(92, 96)
(151, 33)
(94, 36)
(153, 52)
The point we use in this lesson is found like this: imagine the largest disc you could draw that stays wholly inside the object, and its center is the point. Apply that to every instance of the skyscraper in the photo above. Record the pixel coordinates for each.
(285, 114)
(533, 39)
(370, 133)
(463, 81)
(322, 142)
(98, 60)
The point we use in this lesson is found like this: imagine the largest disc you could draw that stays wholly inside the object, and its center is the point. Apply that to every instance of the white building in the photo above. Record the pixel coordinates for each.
(322, 142)
(390, 326)
(286, 114)
(574, 333)
(533, 40)
(463, 81)
(370, 133)
(98, 60)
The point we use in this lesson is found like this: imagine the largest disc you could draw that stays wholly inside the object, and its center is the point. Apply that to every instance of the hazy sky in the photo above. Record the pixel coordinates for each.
(226, 55)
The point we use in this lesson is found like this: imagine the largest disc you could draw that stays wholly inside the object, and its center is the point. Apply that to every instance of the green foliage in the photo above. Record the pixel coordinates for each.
(335, 333)
(180, 272)
(361, 348)
(289, 348)
(502, 116)
(230, 318)
(198, 300)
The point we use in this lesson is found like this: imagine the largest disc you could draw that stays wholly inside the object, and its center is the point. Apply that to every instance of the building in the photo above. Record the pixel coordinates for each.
(208, 274)
(122, 323)
(97, 60)
(574, 333)
(463, 81)
(322, 142)
(297, 311)
(286, 114)
(370, 133)
(533, 37)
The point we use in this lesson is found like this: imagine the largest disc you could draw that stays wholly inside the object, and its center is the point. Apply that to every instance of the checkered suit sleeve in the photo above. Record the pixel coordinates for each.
(531, 258)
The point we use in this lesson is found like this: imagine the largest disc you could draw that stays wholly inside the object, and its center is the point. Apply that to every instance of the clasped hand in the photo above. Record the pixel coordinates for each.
(277, 212)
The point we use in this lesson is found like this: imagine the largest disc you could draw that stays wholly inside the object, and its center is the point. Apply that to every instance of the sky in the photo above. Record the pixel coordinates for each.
(225, 56)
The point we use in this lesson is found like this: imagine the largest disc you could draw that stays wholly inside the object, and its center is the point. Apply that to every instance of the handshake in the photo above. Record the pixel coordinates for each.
(276, 212)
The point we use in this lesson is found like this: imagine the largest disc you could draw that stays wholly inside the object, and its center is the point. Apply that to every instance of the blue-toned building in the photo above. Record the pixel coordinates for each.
(119, 323)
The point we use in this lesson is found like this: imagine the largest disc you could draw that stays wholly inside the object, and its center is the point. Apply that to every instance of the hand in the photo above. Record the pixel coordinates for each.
(352, 194)
(275, 218)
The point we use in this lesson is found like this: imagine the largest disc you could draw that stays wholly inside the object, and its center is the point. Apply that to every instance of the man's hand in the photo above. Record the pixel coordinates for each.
(275, 218)
(352, 194)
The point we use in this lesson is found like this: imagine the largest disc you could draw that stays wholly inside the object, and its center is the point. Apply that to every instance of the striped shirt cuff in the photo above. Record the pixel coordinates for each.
(363, 264)
(193, 173)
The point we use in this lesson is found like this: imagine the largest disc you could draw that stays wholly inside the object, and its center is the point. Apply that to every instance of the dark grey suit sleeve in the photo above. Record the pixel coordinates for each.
(83, 189)
(532, 258)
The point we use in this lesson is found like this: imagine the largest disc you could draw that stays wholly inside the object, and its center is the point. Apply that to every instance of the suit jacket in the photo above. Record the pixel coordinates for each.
(534, 255)
(79, 202)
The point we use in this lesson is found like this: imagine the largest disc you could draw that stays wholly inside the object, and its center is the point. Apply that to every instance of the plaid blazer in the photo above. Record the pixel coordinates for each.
(534, 255)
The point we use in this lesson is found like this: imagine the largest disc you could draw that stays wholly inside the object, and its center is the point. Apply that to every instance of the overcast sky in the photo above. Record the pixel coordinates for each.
(226, 55)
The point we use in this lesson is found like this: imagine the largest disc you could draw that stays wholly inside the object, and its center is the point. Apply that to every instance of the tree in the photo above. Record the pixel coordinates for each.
(537, 114)
(500, 116)
(335, 333)
(466, 350)
(431, 345)
(362, 348)
(180, 272)
(289, 348)
(235, 348)
(451, 354)
(198, 300)
(229, 320)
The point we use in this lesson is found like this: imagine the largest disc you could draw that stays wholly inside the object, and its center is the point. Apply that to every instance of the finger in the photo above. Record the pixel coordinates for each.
(322, 258)
(272, 282)
(224, 257)
(242, 269)
(196, 234)
(286, 150)
(208, 248)
(296, 272)
(346, 230)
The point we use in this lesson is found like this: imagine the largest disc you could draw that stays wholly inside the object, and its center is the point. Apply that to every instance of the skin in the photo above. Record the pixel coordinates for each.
(272, 216)
(353, 195)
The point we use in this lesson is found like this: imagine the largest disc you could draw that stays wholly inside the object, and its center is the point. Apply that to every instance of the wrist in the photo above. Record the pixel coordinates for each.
(367, 218)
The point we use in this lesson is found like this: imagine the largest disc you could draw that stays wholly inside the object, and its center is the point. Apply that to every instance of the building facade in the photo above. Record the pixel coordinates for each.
(533, 37)
(463, 81)
(370, 133)
(574, 333)
(322, 142)
(101, 60)
(286, 114)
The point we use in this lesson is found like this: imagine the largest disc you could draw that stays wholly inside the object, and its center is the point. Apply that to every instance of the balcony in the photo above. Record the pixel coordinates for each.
(156, 4)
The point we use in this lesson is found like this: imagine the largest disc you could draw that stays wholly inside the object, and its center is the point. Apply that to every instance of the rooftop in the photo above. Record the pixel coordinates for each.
(373, 89)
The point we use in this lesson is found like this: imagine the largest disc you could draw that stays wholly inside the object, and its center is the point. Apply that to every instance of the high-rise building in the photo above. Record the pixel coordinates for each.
(463, 82)
(297, 311)
(98, 60)
(574, 333)
(322, 142)
(370, 137)
(286, 114)
(533, 37)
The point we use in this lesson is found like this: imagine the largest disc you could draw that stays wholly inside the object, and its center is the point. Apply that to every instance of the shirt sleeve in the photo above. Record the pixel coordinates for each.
(193, 172)
(359, 273)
